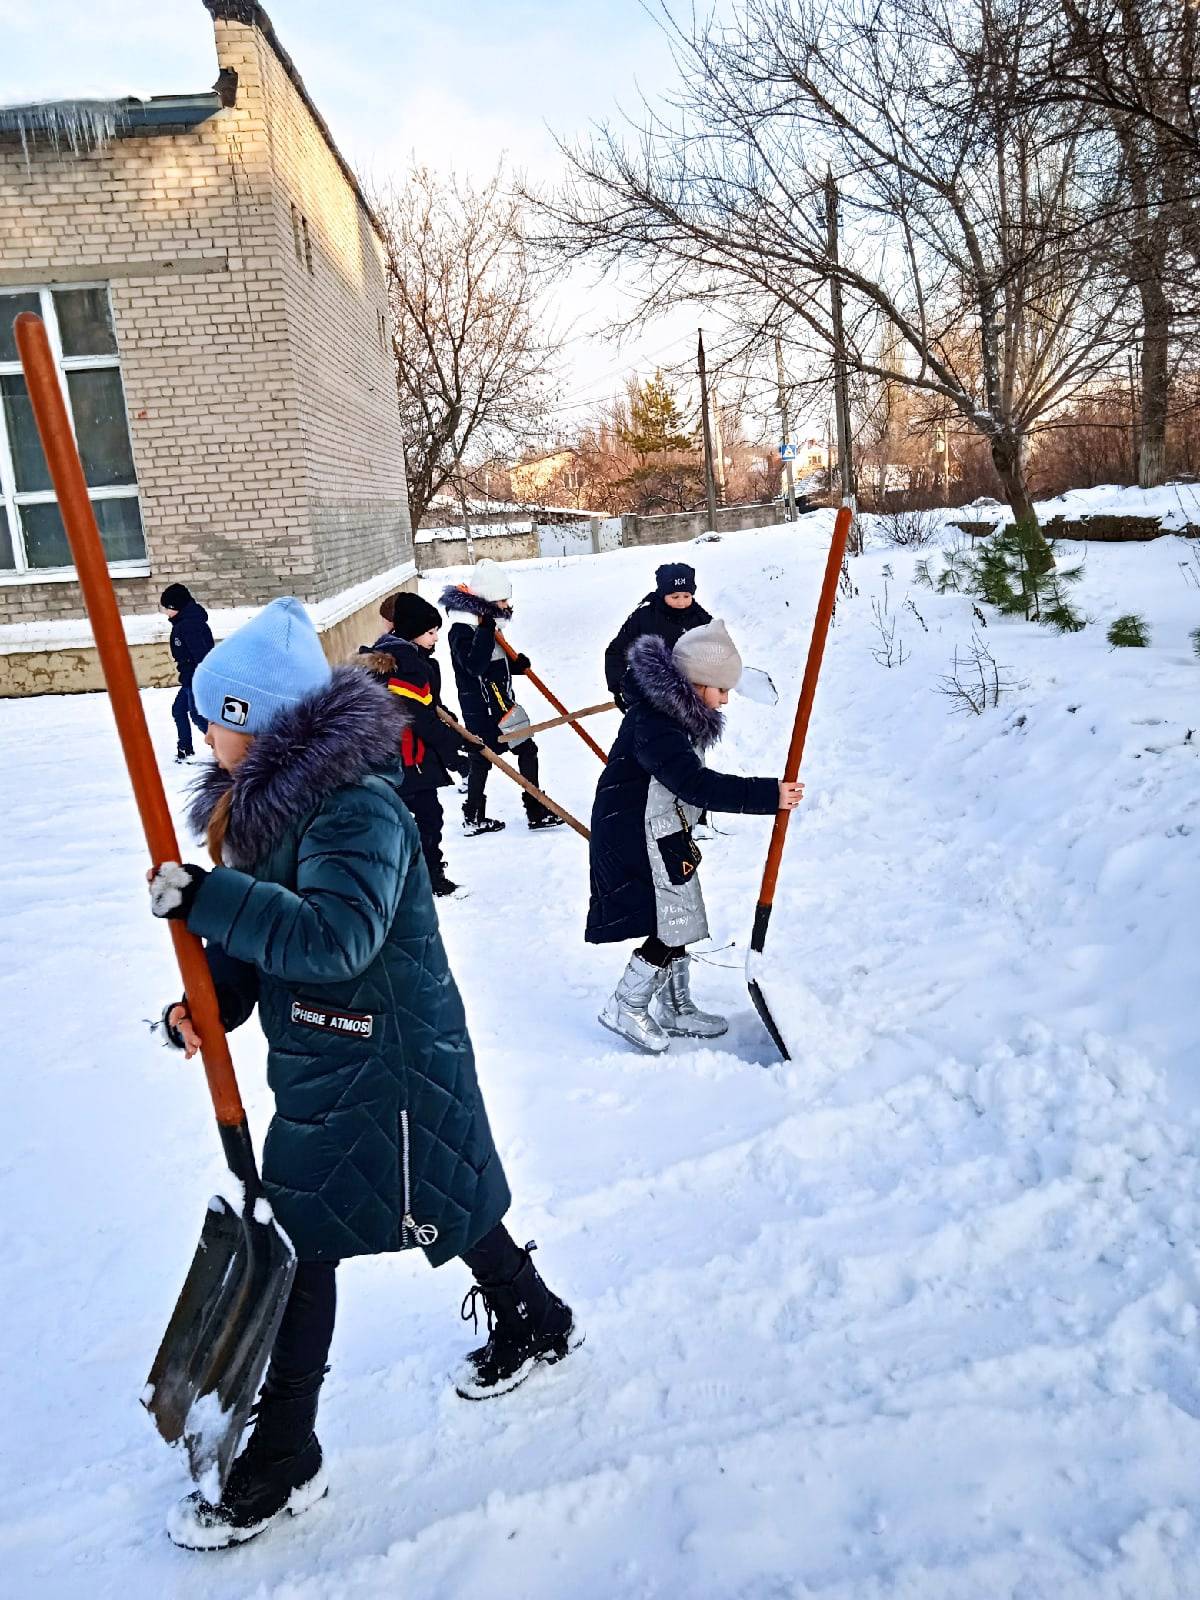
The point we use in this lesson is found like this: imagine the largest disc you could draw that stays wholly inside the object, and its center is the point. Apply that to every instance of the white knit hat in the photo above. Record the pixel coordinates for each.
(489, 581)
(709, 656)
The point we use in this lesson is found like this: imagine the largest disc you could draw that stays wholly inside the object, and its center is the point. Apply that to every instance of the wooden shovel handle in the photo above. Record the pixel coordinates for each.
(808, 689)
(553, 698)
(66, 474)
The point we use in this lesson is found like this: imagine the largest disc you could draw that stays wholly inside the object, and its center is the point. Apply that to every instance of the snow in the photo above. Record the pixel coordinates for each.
(913, 1317)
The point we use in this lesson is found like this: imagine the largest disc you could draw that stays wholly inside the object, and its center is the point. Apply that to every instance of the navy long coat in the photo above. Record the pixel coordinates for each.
(324, 917)
(665, 729)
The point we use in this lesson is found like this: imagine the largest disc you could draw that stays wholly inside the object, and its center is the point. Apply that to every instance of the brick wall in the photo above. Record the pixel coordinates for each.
(262, 410)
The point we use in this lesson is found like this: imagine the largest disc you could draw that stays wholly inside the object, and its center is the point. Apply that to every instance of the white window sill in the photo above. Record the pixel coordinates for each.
(117, 570)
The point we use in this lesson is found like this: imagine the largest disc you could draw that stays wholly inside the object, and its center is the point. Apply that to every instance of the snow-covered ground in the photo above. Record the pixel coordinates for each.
(912, 1316)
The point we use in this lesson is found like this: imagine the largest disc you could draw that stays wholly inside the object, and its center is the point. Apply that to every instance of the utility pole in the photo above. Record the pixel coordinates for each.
(710, 487)
(841, 389)
(718, 447)
(784, 436)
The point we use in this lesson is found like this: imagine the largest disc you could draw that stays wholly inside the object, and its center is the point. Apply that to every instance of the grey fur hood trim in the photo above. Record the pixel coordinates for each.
(657, 679)
(348, 728)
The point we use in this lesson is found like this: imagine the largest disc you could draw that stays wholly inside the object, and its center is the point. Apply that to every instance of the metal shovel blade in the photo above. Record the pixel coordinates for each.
(764, 1011)
(211, 1359)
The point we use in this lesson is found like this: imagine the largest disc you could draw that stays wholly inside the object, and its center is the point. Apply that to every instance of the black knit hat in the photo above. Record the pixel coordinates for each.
(676, 577)
(175, 596)
(410, 615)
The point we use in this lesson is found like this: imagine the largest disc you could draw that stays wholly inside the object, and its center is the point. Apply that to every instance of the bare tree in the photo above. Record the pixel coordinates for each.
(1136, 64)
(473, 361)
(964, 214)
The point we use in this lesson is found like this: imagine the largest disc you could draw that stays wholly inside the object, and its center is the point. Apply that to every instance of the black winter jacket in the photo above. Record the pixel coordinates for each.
(666, 727)
(191, 639)
(654, 616)
(429, 750)
(485, 688)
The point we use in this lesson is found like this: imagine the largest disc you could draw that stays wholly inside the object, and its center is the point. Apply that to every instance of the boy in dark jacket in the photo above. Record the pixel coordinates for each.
(316, 903)
(484, 676)
(429, 751)
(191, 640)
(668, 613)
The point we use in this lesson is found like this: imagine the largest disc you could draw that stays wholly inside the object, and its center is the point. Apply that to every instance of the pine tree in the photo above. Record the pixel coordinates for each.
(655, 424)
(1129, 632)
(1010, 573)
(1194, 636)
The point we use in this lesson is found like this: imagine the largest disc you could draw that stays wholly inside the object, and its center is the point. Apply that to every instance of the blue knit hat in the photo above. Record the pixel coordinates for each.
(270, 663)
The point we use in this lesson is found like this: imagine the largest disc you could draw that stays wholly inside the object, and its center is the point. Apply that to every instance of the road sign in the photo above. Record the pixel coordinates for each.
(787, 452)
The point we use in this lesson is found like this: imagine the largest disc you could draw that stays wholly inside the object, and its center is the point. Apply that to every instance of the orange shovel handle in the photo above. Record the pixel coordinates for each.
(553, 698)
(808, 689)
(66, 473)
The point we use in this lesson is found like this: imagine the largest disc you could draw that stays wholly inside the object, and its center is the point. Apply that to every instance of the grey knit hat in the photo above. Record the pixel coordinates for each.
(708, 655)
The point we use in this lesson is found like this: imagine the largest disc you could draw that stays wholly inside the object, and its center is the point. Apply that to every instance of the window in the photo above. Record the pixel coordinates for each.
(33, 542)
(296, 245)
(308, 255)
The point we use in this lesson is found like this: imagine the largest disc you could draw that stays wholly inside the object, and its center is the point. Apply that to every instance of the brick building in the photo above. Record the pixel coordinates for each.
(213, 282)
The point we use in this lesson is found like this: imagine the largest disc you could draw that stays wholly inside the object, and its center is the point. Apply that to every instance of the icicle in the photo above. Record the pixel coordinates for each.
(81, 125)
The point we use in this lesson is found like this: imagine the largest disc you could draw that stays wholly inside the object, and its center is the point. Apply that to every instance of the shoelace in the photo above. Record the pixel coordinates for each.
(470, 1308)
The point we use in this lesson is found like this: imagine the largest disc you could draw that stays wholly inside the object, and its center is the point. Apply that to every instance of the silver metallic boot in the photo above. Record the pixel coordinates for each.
(678, 1013)
(628, 1010)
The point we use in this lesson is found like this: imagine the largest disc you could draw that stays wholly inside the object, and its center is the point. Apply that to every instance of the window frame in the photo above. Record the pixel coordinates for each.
(11, 499)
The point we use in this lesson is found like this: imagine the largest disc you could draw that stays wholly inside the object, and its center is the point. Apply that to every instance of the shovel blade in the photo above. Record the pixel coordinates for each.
(211, 1360)
(764, 1011)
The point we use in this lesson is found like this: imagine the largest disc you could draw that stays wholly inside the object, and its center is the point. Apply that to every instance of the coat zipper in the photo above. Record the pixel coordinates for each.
(424, 1232)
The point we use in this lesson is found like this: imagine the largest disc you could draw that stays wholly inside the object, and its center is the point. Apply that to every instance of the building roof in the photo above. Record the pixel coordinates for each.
(83, 124)
(251, 15)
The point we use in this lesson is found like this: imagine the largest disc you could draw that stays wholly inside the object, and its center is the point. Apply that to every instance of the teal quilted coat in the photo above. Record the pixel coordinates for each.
(324, 918)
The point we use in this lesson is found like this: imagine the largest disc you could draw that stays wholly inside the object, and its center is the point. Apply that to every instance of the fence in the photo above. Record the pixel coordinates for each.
(448, 547)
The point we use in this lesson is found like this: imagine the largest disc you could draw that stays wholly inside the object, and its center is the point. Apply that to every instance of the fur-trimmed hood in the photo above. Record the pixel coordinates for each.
(653, 675)
(348, 728)
(470, 607)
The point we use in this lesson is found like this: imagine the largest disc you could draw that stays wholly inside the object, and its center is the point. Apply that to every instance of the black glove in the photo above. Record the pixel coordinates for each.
(520, 662)
(173, 888)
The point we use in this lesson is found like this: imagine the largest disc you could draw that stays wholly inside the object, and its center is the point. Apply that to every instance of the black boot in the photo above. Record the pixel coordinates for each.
(279, 1470)
(546, 819)
(527, 1326)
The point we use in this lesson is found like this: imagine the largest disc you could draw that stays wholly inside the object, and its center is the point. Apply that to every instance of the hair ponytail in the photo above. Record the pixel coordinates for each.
(218, 827)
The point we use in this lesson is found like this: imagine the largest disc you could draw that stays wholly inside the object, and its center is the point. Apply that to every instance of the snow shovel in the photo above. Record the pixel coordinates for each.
(208, 1367)
(791, 771)
(553, 698)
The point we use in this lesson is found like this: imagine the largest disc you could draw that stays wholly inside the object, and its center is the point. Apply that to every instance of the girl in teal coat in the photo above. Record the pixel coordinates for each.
(318, 910)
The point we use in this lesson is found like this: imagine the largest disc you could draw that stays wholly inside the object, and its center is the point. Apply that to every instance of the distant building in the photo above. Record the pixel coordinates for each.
(530, 479)
(213, 282)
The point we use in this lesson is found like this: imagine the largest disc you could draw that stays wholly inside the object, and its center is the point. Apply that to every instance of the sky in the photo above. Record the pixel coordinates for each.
(453, 85)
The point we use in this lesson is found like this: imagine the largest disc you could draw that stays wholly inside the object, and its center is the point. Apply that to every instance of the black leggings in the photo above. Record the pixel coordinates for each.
(301, 1349)
(657, 953)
